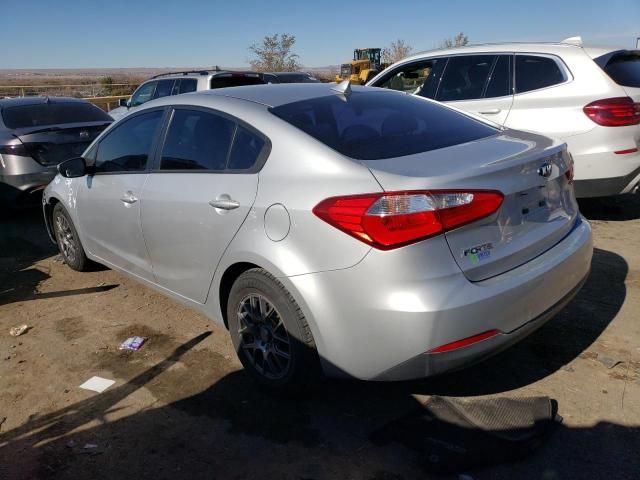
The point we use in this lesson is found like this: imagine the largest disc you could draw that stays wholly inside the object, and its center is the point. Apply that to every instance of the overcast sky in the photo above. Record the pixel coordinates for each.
(142, 33)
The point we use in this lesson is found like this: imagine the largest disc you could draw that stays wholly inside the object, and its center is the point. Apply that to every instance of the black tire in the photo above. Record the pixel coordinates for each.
(302, 370)
(68, 240)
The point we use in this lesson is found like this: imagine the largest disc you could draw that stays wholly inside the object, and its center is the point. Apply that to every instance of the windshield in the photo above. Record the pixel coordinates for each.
(44, 114)
(376, 125)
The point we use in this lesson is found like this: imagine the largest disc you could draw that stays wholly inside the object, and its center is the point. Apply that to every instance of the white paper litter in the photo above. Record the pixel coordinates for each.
(97, 384)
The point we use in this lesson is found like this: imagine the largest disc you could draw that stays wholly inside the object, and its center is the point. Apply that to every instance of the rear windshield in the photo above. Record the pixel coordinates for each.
(42, 114)
(624, 69)
(235, 81)
(375, 125)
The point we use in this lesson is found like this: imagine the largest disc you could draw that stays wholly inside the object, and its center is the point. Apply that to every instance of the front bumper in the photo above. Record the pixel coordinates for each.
(376, 320)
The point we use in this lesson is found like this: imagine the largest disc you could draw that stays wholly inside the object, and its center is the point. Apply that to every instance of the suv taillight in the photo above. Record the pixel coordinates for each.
(388, 220)
(614, 112)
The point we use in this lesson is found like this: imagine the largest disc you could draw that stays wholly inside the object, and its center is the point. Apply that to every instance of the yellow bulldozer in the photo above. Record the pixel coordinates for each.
(365, 65)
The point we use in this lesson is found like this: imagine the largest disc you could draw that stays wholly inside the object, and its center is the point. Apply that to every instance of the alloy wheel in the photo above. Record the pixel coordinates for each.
(66, 240)
(263, 337)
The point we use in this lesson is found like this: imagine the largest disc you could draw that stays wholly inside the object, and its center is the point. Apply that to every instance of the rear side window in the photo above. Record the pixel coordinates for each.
(126, 148)
(197, 140)
(534, 72)
(624, 69)
(500, 80)
(465, 77)
(230, 80)
(163, 89)
(43, 114)
(376, 125)
(184, 85)
(247, 147)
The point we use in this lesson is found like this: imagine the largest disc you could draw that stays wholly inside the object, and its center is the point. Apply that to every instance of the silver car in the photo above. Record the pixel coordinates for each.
(363, 233)
(36, 134)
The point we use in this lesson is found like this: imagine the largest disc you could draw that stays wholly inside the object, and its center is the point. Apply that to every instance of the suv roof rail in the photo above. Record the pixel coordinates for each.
(186, 72)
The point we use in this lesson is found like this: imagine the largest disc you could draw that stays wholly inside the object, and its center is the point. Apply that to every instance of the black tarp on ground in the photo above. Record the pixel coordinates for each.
(455, 434)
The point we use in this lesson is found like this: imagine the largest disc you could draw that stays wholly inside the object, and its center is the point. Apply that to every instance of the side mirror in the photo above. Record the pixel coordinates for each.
(124, 102)
(73, 168)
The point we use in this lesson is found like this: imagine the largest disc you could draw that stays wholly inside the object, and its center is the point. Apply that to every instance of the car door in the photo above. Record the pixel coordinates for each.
(198, 195)
(109, 203)
(480, 84)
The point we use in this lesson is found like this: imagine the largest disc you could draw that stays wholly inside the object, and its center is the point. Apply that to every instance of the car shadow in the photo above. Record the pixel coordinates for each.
(23, 243)
(618, 208)
(232, 430)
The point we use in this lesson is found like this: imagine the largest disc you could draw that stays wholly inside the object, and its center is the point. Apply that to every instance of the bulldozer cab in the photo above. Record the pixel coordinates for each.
(371, 55)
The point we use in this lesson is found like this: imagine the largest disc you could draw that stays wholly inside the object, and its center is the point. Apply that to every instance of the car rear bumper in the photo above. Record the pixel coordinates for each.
(20, 176)
(377, 319)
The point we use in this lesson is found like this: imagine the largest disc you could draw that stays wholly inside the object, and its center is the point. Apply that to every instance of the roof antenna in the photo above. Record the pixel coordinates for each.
(343, 87)
(573, 40)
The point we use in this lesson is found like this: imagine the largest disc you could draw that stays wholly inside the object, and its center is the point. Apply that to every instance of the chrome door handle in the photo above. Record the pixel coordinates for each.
(491, 111)
(224, 204)
(129, 198)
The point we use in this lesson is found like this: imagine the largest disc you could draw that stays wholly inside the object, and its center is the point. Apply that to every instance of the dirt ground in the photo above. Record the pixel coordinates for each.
(182, 407)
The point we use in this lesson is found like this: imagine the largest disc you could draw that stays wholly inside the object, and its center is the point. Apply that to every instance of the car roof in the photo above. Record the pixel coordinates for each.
(19, 101)
(274, 95)
(530, 47)
(200, 73)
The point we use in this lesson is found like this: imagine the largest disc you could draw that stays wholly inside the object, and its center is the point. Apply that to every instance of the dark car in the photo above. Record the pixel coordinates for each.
(36, 134)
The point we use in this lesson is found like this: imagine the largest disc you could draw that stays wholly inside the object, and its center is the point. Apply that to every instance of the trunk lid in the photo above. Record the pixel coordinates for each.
(539, 206)
(50, 145)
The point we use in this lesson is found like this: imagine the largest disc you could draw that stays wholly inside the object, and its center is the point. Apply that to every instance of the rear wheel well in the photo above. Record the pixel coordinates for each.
(228, 279)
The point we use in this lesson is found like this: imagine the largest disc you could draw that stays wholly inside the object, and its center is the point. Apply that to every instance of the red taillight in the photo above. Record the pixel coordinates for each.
(570, 171)
(626, 151)
(389, 220)
(614, 112)
(465, 342)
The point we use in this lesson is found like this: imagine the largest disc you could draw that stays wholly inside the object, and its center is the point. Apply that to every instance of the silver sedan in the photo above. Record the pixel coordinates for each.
(363, 233)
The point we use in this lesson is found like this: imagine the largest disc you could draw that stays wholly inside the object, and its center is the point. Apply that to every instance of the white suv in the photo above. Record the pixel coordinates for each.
(176, 83)
(587, 97)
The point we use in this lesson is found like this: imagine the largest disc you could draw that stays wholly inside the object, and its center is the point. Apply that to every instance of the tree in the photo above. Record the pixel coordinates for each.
(396, 51)
(274, 54)
(460, 40)
(107, 85)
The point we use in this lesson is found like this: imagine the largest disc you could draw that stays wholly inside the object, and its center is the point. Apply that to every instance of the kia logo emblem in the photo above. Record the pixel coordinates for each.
(545, 170)
(84, 134)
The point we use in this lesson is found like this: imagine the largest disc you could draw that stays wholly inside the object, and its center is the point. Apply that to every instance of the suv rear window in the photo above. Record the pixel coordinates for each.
(231, 80)
(378, 125)
(42, 114)
(624, 69)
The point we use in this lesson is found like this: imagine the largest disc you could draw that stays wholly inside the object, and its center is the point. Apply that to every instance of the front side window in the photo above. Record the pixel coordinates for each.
(534, 72)
(163, 89)
(465, 77)
(409, 78)
(127, 147)
(373, 125)
(197, 140)
(143, 94)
